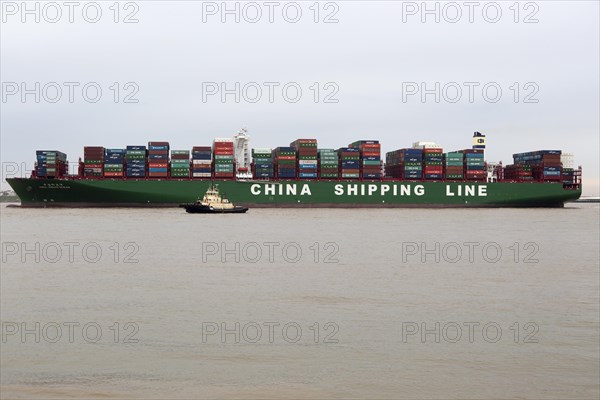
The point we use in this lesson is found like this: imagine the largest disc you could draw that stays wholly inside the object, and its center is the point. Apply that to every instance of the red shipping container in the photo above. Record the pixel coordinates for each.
(303, 141)
(371, 154)
(371, 146)
(157, 165)
(158, 143)
(433, 150)
(157, 174)
(223, 152)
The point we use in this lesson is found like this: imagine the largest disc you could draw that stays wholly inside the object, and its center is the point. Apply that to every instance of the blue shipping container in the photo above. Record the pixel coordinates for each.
(158, 147)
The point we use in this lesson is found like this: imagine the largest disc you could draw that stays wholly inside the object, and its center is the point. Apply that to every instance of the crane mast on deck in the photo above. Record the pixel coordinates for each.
(242, 154)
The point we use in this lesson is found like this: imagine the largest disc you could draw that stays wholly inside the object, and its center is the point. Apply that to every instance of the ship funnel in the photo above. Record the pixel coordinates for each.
(478, 140)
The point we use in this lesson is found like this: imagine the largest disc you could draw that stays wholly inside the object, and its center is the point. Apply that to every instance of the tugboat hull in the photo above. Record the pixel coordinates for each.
(203, 209)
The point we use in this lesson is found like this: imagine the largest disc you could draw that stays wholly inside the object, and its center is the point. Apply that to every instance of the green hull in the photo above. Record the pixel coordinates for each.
(169, 193)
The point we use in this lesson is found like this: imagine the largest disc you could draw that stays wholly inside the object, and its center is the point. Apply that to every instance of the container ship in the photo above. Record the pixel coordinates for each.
(300, 175)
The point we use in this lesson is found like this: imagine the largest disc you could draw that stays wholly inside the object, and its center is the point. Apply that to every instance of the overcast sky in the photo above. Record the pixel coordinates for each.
(374, 61)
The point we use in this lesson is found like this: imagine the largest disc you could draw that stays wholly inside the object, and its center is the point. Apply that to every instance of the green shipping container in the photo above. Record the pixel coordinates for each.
(286, 162)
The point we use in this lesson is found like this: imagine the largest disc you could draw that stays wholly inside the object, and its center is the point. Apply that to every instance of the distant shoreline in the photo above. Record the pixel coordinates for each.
(592, 200)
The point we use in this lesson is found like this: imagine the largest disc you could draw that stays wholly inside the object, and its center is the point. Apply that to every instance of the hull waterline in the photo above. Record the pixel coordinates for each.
(290, 194)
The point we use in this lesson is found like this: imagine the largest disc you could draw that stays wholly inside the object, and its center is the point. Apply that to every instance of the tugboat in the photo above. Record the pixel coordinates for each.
(213, 203)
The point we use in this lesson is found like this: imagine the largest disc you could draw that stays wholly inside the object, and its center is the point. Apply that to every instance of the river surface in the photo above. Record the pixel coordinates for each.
(280, 303)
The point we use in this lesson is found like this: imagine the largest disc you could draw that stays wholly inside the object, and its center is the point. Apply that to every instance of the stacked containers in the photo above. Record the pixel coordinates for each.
(135, 162)
(474, 165)
(392, 164)
(201, 162)
(223, 156)
(518, 172)
(51, 163)
(158, 159)
(349, 159)
(307, 157)
(433, 168)
(180, 163)
(405, 164)
(546, 164)
(114, 159)
(370, 158)
(454, 162)
(263, 163)
(568, 176)
(285, 162)
(328, 164)
(93, 161)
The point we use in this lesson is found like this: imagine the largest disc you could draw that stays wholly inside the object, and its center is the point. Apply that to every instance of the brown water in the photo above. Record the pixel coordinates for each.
(373, 288)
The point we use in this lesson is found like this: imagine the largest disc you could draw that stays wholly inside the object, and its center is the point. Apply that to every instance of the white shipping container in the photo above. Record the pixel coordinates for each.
(262, 150)
(201, 175)
(307, 162)
(225, 140)
(567, 160)
(426, 145)
(201, 162)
